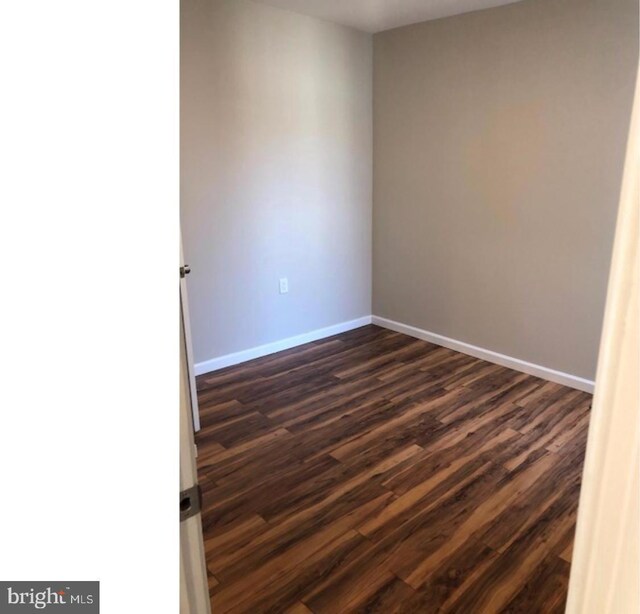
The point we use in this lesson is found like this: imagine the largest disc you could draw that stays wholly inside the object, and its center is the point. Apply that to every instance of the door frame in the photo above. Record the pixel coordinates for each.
(186, 328)
(194, 592)
(605, 574)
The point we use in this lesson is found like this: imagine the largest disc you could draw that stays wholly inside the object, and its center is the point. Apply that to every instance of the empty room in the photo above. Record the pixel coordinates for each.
(408, 246)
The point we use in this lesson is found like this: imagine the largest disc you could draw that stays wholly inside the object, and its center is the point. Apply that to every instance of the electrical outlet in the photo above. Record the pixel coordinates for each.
(284, 285)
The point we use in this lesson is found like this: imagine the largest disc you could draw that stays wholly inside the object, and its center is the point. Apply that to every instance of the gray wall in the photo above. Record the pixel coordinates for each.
(499, 140)
(275, 172)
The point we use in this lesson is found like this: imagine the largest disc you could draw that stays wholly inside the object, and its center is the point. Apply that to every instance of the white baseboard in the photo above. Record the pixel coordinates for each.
(277, 346)
(552, 375)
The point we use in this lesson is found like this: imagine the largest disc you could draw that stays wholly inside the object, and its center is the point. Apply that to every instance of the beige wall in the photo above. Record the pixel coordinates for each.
(276, 173)
(499, 139)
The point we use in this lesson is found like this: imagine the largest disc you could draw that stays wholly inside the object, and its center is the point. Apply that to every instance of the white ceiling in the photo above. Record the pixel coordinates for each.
(378, 15)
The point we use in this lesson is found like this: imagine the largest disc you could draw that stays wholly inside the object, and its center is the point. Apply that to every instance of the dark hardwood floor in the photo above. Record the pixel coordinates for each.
(372, 472)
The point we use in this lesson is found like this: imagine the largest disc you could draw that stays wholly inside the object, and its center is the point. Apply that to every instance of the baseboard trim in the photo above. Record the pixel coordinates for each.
(236, 358)
(552, 375)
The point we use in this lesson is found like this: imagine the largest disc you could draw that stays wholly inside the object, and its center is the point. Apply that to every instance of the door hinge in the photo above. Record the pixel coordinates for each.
(190, 502)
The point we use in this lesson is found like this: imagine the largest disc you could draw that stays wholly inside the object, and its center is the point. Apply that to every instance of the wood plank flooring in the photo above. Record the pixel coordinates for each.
(372, 472)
